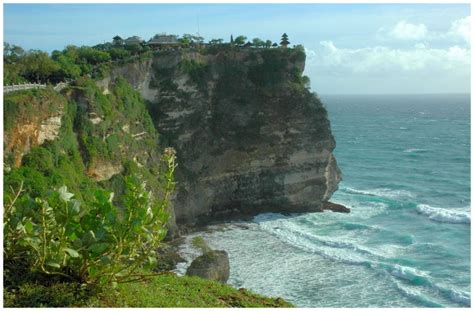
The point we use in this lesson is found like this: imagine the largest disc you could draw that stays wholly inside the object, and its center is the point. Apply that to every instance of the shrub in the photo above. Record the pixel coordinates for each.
(39, 159)
(95, 244)
(197, 71)
(34, 183)
(51, 295)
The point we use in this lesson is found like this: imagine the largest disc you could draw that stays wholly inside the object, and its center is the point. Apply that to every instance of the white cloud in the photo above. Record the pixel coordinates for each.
(408, 58)
(385, 60)
(461, 28)
(406, 31)
(459, 31)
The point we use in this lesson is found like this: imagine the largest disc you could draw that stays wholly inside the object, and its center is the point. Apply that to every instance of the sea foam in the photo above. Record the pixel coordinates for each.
(444, 215)
(380, 192)
(415, 150)
(411, 274)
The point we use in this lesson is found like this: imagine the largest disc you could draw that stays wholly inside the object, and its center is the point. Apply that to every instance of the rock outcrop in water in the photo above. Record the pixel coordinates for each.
(249, 135)
(338, 208)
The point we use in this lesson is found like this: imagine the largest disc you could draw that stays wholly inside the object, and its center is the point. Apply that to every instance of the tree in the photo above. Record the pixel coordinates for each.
(268, 44)
(12, 71)
(92, 56)
(257, 42)
(104, 46)
(68, 68)
(119, 53)
(192, 39)
(134, 48)
(231, 39)
(198, 39)
(37, 66)
(284, 40)
(12, 53)
(240, 40)
(118, 41)
(216, 41)
(184, 41)
(71, 51)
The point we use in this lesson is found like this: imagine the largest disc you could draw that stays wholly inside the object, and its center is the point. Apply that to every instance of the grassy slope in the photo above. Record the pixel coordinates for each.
(165, 290)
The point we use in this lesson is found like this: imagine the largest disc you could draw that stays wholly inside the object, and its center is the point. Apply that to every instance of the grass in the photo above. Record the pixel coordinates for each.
(169, 290)
(198, 242)
(165, 290)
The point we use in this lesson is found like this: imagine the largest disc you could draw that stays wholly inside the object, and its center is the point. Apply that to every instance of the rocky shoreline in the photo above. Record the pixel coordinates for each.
(190, 255)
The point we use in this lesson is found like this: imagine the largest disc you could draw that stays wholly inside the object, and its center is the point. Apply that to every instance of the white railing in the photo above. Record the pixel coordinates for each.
(60, 86)
(29, 86)
(25, 86)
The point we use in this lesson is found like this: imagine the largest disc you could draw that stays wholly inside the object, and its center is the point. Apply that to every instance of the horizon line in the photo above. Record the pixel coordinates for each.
(390, 94)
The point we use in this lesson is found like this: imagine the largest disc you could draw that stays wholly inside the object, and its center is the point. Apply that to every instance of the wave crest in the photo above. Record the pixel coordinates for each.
(444, 215)
(380, 192)
(415, 150)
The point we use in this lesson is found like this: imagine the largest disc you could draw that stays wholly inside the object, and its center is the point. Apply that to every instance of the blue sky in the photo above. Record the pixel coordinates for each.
(351, 48)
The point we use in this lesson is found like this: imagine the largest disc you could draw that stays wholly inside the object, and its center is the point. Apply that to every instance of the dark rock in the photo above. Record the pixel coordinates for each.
(213, 265)
(335, 207)
(167, 258)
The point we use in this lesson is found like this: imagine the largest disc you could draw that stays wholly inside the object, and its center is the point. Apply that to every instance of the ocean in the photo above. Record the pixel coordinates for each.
(406, 243)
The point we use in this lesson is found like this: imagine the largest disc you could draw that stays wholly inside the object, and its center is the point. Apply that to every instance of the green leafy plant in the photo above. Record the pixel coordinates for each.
(96, 244)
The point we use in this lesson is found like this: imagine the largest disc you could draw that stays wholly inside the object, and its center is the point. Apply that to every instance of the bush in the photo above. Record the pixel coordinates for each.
(34, 183)
(39, 159)
(197, 72)
(96, 244)
(31, 295)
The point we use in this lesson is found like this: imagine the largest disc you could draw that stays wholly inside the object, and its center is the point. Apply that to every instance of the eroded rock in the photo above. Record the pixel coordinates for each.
(212, 265)
(335, 207)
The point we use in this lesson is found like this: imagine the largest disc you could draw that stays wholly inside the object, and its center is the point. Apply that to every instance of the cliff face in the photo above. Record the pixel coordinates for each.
(249, 136)
(31, 118)
(81, 138)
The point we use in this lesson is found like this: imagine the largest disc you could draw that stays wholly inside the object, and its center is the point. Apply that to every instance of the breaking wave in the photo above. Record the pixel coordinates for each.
(380, 192)
(351, 252)
(444, 215)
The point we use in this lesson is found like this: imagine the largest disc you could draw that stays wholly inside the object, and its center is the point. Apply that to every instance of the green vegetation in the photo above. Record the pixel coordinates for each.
(63, 162)
(63, 250)
(197, 72)
(93, 244)
(72, 62)
(165, 290)
(29, 103)
(199, 242)
(69, 64)
(122, 106)
(240, 40)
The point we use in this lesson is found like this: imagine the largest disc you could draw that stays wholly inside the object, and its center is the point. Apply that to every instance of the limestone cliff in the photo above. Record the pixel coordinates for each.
(31, 118)
(250, 137)
(80, 138)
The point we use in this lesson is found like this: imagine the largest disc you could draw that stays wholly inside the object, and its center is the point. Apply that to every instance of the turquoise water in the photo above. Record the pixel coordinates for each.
(406, 169)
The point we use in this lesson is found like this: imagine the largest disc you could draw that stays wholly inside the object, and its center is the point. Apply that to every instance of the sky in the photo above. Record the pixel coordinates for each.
(350, 48)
